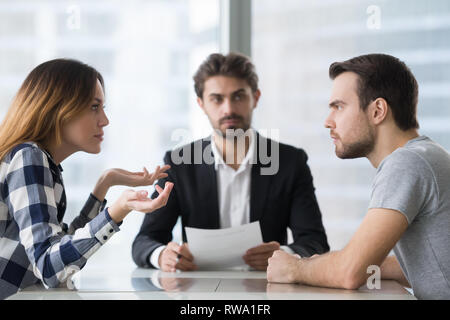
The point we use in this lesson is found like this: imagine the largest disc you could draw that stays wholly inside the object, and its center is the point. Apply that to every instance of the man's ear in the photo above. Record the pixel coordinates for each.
(256, 96)
(378, 109)
(200, 103)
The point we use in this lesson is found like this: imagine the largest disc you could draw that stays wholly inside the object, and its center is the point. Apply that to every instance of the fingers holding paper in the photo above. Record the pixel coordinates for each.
(176, 256)
(257, 257)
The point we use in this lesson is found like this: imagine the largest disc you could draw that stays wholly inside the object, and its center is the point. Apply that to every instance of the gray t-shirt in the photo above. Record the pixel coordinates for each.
(415, 180)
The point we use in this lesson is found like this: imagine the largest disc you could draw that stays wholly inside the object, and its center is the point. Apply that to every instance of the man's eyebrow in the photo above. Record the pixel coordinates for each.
(221, 95)
(336, 102)
(239, 91)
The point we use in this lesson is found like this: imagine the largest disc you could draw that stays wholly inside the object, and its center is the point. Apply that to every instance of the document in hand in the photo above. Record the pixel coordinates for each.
(218, 249)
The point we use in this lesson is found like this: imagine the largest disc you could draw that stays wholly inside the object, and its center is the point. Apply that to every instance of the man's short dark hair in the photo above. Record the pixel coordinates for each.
(384, 76)
(234, 65)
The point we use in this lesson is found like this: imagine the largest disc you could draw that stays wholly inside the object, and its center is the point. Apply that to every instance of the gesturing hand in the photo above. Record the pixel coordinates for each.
(138, 200)
(117, 176)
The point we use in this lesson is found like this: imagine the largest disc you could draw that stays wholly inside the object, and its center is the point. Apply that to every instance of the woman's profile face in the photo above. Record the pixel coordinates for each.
(85, 133)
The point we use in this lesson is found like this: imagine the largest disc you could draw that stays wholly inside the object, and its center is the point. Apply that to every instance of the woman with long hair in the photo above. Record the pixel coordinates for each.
(58, 111)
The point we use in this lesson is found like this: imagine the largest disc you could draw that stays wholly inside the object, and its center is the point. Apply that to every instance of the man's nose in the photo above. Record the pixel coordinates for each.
(227, 107)
(329, 122)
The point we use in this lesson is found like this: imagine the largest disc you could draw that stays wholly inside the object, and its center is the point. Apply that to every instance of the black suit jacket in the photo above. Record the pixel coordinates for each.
(285, 199)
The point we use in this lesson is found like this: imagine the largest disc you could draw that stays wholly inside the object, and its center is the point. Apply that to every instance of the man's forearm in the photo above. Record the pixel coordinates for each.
(391, 270)
(327, 270)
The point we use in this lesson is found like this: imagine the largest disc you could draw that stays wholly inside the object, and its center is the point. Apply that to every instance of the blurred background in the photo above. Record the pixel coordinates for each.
(148, 51)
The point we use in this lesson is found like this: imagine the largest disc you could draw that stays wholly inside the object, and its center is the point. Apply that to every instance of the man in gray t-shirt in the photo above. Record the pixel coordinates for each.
(373, 114)
(415, 181)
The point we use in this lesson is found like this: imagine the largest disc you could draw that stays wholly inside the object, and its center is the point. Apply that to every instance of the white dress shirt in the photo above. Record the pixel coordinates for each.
(233, 190)
(233, 186)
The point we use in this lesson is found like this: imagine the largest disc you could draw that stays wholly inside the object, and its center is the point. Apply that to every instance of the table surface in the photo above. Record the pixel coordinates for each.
(138, 283)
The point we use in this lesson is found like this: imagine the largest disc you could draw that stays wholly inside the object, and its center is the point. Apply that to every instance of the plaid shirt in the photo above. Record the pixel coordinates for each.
(35, 245)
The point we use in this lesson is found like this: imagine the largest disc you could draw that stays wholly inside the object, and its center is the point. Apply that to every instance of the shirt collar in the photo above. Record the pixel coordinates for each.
(248, 159)
(49, 156)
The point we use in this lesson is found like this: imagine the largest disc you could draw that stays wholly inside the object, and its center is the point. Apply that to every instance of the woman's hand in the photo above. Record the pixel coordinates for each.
(122, 177)
(139, 201)
(116, 177)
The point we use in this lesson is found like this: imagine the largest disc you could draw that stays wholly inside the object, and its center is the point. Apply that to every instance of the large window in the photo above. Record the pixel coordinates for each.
(293, 44)
(147, 51)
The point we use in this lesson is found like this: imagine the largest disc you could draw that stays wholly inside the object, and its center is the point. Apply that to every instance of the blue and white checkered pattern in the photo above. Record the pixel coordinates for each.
(35, 245)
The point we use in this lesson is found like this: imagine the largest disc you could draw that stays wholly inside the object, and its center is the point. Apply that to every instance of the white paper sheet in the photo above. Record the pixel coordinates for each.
(219, 249)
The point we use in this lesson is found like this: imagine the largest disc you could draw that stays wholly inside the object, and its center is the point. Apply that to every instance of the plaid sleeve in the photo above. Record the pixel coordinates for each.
(90, 210)
(54, 255)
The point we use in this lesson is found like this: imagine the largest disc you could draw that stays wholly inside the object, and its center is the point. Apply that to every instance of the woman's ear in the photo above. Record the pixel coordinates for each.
(378, 110)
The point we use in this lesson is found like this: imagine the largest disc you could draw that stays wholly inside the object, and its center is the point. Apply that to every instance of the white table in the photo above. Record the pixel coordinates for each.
(136, 283)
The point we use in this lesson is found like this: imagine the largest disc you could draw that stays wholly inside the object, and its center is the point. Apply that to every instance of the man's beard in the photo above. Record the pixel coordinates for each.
(357, 149)
(234, 131)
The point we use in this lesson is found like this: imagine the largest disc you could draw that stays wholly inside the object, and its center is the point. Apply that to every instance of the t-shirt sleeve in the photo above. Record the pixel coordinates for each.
(405, 182)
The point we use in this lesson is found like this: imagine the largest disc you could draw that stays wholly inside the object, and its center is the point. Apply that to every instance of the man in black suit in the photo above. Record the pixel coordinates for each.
(233, 177)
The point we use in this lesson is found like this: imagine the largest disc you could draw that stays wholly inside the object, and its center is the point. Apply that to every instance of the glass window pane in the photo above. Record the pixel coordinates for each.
(147, 52)
(293, 45)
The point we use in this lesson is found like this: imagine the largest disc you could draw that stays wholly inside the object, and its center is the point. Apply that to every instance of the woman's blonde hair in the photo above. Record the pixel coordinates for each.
(54, 93)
